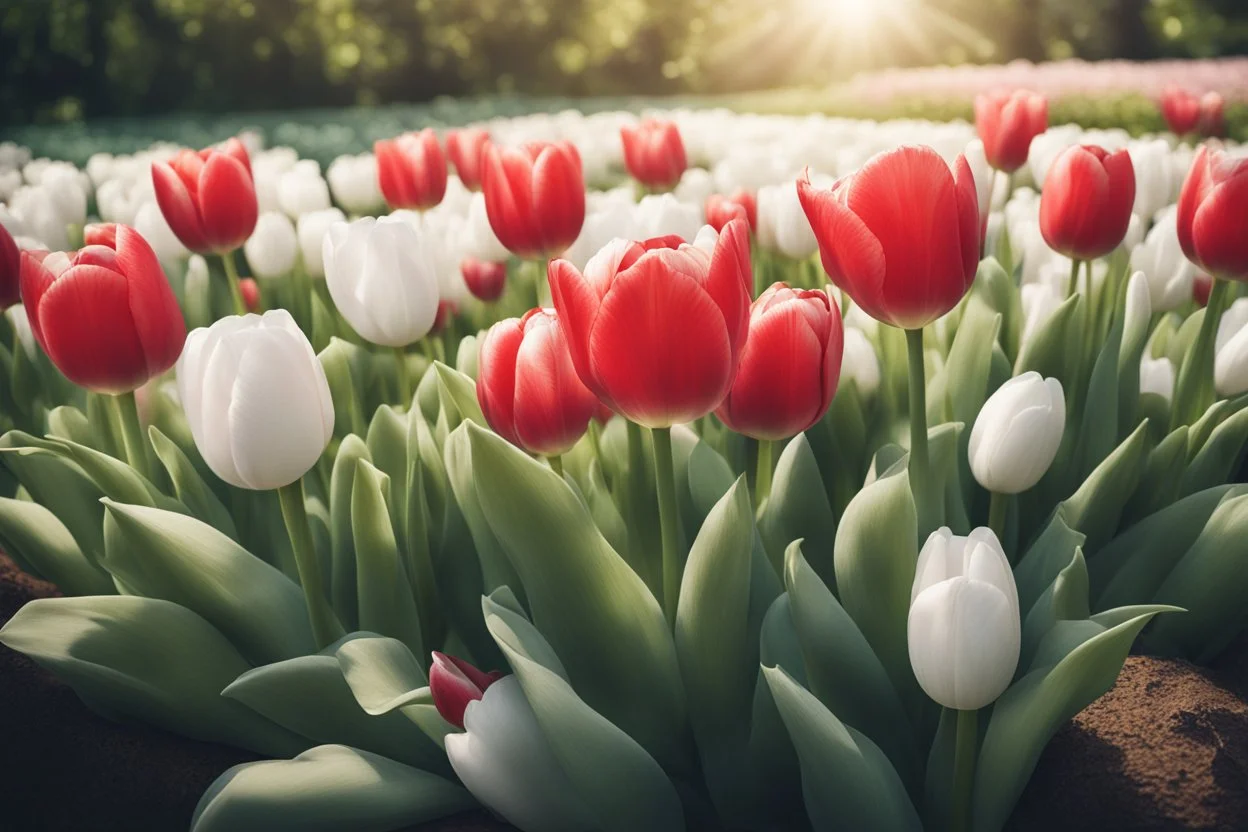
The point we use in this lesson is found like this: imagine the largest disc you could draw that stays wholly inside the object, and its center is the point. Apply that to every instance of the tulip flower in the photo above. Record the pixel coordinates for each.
(902, 238)
(485, 281)
(1017, 433)
(1212, 118)
(1155, 178)
(528, 389)
(353, 183)
(1230, 365)
(453, 683)
(464, 147)
(720, 209)
(656, 330)
(10, 270)
(411, 170)
(311, 230)
(1157, 376)
(782, 224)
(661, 215)
(301, 190)
(1213, 214)
(1160, 257)
(654, 153)
(534, 197)
(1180, 109)
(251, 294)
(208, 198)
(1007, 122)
(505, 760)
(272, 247)
(1085, 207)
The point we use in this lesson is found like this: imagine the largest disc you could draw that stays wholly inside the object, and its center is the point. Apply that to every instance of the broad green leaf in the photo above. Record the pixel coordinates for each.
(1046, 351)
(798, 508)
(496, 569)
(507, 623)
(173, 557)
(146, 659)
(1219, 457)
(41, 545)
(383, 592)
(427, 397)
(1098, 432)
(1159, 484)
(71, 423)
(1066, 599)
(847, 781)
(1000, 292)
(342, 362)
(1045, 559)
(1096, 507)
(325, 789)
(382, 672)
(459, 393)
(59, 484)
(190, 487)
(343, 592)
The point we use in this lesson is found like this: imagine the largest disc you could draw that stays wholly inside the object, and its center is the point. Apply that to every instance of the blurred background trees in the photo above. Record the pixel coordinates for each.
(67, 60)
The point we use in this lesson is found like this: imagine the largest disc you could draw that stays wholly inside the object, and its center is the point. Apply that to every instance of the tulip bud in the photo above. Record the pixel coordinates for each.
(485, 280)
(1157, 377)
(104, 315)
(453, 683)
(208, 198)
(782, 224)
(411, 170)
(534, 196)
(1017, 433)
(654, 153)
(1212, 118)
(1160, 258)
(1154, 176)
(662, 215)
(720, 209)
(1180, 109)
(301, 190)
(901, 236)
(1007, 122)
(656, 329)
(1212, 218)
(256, 399)
(464, 147)
(527, 386)
(353, 182)
(250, 291)
(1230, 363)
(964, 630)
(1085, 208)
(272, 247)
(382, 278)
(860, 363)
(311, 231)
(10, 270)
(790, 364)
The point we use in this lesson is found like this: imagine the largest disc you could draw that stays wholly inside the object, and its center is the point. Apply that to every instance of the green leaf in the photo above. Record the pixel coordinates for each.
(1098, 432)
(327, 788)
(190, 487)
(1033, 708)
(961, 386)
(382, 672)
(343, 592)
(847, 781)
(1219, 457)
(162, 554)
(60, 484)
(1159, 484)
(1000, 292)
(1045, 559)
(343, 363)
(1046, 352)
(458, 393)
(511, 625)
(41, 545)
(115, 478)
(384, 594)
(146, 659)
(620, 783)
(1096, 507)
(496, 569)
(1066, 599)
(798, 508)
(597, 613)
(70, 423)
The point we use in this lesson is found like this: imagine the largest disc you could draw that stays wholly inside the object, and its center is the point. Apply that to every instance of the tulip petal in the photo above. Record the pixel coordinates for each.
(850, 252)
(178, 207)
(1072, 206)
(107, 357)
(552, 406)
(496, 378)
(578, 306)
(227, 202)
(35, 280)
(157, 317)
(1220, 227)
(558, 198)
(729, 281)
(969, 226)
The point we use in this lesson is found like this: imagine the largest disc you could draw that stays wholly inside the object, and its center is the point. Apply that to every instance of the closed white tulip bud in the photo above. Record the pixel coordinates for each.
(1230, 363)
(1170, 274)
(782, 223)
(859, 363)
(311, 230)
(1154, 175)
(1017, 433)
(301, 190)
(663, 214)
(150, 221)
(964, 630)
(1157, 376)
(353, 182)
(507, 763)
(383, 278)
(272, 247)
(256, 399)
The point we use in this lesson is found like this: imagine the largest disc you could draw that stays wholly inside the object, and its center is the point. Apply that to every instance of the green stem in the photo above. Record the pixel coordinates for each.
(1195, 382)
(127, 411)
(762, 480)
(920, 468)
(998, 510)
(325, 627)
(639, 514)
(556, 464)
(964, 770)
(231, 276)
(669, 519)
(1074, 278)
(405, 376)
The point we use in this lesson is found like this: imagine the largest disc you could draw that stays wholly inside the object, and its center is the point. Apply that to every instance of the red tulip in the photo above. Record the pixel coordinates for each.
(208, 198)
(1180, 109)
(1007, 122)
(654, 153)
(453, 683)
(534, 196)
(1213, 214)
(656, 328)
(527, 386)
(464, 147)
(10, 270)
(250, 291)
(411, 170)
(1212, 117)
(1085, 207)
(100, 234)
(105, 316)
(790, 364)
(900, 236)
(720, 209)
(485, 280)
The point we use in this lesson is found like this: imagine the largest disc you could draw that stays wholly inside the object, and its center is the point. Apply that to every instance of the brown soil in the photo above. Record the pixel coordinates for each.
(1166, 749)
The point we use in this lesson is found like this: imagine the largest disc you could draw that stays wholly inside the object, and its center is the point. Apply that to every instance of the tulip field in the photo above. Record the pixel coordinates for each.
(681, 469)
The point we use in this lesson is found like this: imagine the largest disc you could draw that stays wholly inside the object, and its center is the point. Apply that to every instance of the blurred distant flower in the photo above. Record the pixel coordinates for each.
(1007, 122)
(1181, 110)
(353, 182)
(272, 247)
(411, 170)
(301, 190)
(654, 153)
(464, 148)
(720, 209)
(311, 231)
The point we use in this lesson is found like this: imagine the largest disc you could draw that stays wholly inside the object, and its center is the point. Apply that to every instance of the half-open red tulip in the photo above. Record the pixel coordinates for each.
(1213, 214)
(464, 149)
(411, 170)
(453, 683)
(208, 198)
(1180, 109)
(654, 153)
(1085, 207)
(1007, 122)
(534, 196)
(485, 280)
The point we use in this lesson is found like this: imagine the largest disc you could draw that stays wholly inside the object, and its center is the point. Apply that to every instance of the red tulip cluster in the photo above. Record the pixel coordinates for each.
(654, 153)
(1085, 206)
(1213, 214)
(208, 198)
(464, 147)
(720, 209)
(411, 170)
(534, 196)
(1186, 114)
(1007, 123)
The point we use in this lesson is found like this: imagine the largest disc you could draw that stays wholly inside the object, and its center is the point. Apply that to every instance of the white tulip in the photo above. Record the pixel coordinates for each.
(256, 399)
(507, 763)
(10, 181)
(964, 630)
(1157, 376)
(615, 219)
(311, 230)
(1170, 274)
(1040, 301)
(695, 185)
(782, 222)
(301, 190)
(1046, 147)
(859, 363)
(383, 278)
(1230, 363)
(272, 247)
(1139, 308)
(663, 214)
(1134, 235)
(1154, 176)
(480, 241)
(150, 222)
(353, 181)
(1017, 433)
(41, 215)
